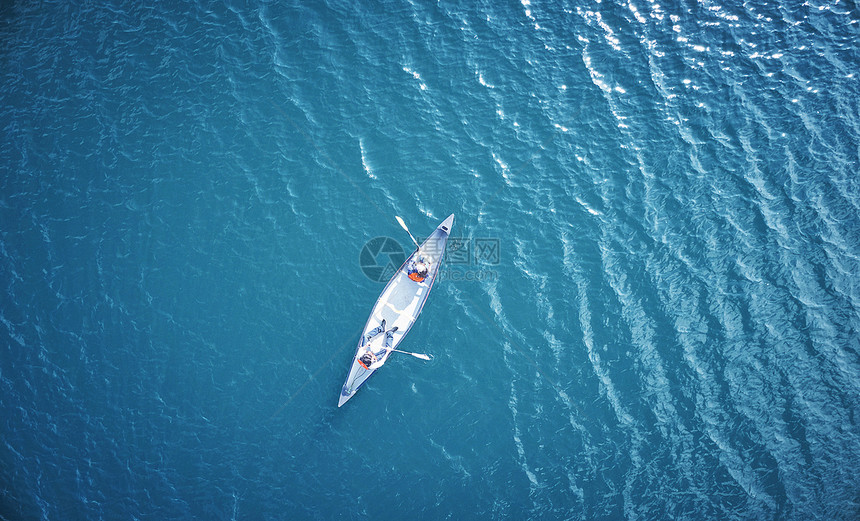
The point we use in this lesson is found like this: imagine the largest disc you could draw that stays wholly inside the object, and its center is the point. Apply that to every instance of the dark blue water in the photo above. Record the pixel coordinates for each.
(654, 312)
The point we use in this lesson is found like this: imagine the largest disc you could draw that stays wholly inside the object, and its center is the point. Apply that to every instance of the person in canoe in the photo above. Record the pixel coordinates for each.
(373, 333)
(418, 270)
(371, 360)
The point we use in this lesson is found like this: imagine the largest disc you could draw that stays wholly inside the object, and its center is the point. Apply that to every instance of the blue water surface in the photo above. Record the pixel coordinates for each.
(652, 312)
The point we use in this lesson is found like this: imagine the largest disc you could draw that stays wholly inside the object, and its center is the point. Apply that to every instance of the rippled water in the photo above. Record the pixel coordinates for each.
(653, 313)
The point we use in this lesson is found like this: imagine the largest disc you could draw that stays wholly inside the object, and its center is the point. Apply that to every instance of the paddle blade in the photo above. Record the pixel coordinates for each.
(416, 355)
(402, 224)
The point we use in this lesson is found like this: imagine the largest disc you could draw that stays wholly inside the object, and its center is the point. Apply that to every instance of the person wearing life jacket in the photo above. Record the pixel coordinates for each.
(371, 360)
(386, 347)
(418, 270)
(367, 360)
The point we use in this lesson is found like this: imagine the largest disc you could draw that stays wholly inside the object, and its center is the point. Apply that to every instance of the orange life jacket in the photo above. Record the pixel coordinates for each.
(372, 360)
(416, 277)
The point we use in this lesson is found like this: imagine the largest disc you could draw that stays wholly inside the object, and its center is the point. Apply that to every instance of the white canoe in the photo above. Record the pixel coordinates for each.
(399, 306)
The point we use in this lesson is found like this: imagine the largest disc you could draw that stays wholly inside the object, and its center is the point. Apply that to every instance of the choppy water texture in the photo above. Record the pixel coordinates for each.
(670, 330)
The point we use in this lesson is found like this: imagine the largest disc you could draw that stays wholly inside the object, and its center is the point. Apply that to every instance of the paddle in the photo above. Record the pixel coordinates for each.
(416, 355)
(403, 225)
